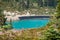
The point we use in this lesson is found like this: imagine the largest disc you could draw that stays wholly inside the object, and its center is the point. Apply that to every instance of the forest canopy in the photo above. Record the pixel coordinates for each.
(26, 4)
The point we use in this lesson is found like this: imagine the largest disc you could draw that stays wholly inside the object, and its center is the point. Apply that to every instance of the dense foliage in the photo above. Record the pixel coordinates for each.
(3, 20)
(26, 4)
(58, 14)
(58, 9)
(2, 17)
(51, 32)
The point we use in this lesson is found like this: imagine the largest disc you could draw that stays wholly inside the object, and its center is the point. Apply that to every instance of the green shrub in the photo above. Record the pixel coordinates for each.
(7, 26)
(52, 34)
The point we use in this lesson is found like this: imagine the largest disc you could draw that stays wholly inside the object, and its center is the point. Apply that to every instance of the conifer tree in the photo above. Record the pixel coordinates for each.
(58, 10)
(2, 17)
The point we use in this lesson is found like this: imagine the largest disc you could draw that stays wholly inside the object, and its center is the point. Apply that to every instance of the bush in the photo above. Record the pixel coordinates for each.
(52, 34)
(6, 27)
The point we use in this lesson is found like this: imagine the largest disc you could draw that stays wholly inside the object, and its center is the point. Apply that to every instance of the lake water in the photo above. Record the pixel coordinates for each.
(30, 23)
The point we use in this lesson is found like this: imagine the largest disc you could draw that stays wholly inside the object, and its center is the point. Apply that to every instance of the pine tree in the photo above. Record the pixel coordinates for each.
(2, 17)
(58, 10)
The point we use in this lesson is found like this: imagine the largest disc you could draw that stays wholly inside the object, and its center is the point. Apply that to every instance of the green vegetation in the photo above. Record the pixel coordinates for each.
(21, 5)
(50, 32)
(58, 9)
(3, 24)
(58, 14)
(7, 27)
(2, 19)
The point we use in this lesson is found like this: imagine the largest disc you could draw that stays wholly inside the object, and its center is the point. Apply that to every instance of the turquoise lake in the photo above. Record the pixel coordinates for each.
(30, 23)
